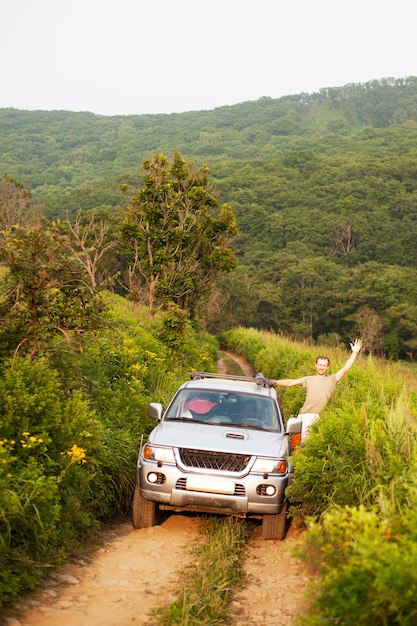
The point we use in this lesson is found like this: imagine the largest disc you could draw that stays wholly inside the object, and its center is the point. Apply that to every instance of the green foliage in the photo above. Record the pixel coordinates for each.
(175, 329)
(48, 442)
(367, 573)
(331, 466)
(29, 518)
(362, 447)
(44, 296)
(33, 401)
(138, 358)
(122, 368)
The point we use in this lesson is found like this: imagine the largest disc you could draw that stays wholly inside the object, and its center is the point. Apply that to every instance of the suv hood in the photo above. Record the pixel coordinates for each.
(220, 438)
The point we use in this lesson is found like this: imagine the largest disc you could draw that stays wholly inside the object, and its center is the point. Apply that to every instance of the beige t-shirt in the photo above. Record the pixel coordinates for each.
(319, 390)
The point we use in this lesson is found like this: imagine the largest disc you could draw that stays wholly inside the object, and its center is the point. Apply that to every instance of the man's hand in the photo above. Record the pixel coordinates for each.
(356, 346)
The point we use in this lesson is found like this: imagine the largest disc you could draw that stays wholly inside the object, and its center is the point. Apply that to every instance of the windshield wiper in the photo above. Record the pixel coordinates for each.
(184, 418)
(254, 426)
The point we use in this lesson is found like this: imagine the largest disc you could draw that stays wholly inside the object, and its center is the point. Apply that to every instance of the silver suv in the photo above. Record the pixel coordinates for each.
(220, 447)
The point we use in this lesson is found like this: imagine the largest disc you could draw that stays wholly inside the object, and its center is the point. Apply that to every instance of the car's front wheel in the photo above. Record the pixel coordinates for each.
(145, 512)
(273, 526)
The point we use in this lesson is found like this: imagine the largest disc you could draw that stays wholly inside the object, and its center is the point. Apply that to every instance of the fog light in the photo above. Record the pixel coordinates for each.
(152, 477)
(266, 490)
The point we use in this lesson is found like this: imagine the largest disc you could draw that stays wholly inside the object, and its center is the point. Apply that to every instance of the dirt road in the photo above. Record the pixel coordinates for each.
(135, 571)
(130, 575)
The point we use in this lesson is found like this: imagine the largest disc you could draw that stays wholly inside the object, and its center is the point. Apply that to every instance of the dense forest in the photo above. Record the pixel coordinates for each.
(323, 188)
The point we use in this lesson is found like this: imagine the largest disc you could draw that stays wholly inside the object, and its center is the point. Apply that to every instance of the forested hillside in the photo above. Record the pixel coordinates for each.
(133, 248)
(323, 187)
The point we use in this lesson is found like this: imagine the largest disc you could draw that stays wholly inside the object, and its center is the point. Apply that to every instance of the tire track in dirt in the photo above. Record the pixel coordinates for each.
(275, 583)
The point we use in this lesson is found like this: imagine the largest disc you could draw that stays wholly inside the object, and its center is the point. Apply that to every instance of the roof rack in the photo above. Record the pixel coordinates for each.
(259, 378)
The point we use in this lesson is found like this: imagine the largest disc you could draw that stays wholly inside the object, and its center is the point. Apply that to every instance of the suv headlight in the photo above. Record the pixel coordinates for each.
(270, 466)
(154, 453)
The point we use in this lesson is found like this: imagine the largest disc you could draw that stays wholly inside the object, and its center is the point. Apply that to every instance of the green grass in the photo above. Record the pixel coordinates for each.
(206, 587)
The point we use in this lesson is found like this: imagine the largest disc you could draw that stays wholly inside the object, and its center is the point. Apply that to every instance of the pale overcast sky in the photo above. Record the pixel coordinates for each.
(115, 57)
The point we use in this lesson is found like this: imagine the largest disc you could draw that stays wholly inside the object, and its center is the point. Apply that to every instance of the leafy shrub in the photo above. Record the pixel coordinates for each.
(49, 437)
(29, 517)
(367, 573)
(32, 400)
(330, 467)
(70, 434)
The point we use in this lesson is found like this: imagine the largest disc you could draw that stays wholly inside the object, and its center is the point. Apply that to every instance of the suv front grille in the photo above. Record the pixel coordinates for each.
(204, 459)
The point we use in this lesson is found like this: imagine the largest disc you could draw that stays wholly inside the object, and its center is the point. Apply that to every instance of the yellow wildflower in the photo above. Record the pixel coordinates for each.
(77, 454)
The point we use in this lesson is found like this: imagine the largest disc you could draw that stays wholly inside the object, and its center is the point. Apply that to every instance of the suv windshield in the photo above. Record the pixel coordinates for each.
(213, 407)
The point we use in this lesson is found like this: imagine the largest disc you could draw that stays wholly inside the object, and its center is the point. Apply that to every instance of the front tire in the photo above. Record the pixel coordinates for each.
(273, 526)
(145, 512)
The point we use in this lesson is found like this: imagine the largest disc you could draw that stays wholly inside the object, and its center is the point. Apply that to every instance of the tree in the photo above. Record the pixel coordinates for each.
(342, 239)
(15, 205)
(176, 236)
(370, 329)
(90, 241)
(45, 293)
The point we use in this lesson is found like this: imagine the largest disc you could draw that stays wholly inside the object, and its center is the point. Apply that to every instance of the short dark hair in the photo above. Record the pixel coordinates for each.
(324, 357)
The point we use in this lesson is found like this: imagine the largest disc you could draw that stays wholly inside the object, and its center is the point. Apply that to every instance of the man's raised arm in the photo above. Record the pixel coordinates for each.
(355, 347)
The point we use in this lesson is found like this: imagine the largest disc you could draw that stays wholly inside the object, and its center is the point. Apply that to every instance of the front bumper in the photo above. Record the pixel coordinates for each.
(203, 491)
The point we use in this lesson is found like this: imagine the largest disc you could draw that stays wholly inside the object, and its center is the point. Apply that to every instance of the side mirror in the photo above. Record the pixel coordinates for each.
(155, 411)
(293, 430)
(293, 426)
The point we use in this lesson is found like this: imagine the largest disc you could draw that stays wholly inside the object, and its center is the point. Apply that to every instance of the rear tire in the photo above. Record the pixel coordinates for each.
(145, 512)
(273, 526)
